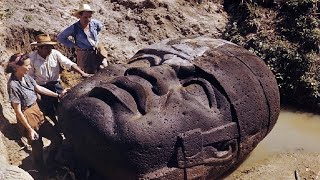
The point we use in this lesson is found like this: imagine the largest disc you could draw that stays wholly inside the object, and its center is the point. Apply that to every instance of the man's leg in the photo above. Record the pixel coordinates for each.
(48, 104)
(52, 133)
(93, 62)
(82, 57)
(37, 153)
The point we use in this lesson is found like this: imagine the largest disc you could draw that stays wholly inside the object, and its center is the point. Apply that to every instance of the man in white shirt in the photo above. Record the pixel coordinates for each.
(46, 64)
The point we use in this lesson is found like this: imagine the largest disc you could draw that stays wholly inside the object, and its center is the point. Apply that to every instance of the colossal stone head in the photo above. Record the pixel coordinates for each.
(179, 109)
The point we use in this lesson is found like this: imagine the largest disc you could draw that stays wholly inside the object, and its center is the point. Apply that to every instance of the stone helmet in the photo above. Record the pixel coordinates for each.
(179, 109)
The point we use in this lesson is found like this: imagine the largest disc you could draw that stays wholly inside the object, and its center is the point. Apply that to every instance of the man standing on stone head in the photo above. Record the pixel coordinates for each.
(46, 63)
(91, 56)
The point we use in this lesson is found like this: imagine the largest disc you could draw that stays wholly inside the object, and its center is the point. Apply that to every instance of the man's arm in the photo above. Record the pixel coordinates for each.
(77, 69)
(63, 37)
(67, 63)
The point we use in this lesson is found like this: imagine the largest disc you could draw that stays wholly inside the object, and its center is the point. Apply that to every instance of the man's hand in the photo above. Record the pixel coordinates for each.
(80, 71)
(33, 135)
(86, 75)
(104, 63)
(63, 93)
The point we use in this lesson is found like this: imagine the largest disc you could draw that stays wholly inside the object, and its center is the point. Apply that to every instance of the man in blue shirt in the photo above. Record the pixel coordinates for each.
(85, 32)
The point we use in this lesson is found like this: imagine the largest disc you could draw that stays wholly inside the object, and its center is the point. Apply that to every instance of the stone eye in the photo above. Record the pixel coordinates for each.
(202, 90)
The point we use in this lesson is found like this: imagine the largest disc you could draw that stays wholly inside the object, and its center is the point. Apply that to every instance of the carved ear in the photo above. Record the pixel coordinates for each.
(216, 146)
(224, 155)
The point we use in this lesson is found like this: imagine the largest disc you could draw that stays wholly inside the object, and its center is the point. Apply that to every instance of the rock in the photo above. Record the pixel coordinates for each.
(189, 108)
(9, 172)
(5, 108)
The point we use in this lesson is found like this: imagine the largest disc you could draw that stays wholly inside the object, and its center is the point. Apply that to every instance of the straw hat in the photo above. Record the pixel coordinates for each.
(43, 39)
(82, 7)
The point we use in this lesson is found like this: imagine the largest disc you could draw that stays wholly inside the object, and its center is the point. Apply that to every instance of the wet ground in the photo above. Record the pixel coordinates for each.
(290, 151)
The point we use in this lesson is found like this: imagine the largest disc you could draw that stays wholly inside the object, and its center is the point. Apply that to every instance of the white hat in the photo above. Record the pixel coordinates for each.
(83, 7)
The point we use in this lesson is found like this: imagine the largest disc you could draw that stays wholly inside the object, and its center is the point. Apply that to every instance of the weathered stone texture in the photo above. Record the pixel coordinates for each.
(184, 108)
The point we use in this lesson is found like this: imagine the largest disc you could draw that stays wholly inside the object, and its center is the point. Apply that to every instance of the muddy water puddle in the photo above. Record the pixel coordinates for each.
(294, 131)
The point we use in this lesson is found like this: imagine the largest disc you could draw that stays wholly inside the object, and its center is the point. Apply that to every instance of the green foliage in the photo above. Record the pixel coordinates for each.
(299, 23)
(257, 2)
(245, 15)
(291, 51)
(284, 61)
(233, 35)
(297, 7)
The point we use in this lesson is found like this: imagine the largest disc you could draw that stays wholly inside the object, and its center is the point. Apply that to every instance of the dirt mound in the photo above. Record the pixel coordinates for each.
(129, 25)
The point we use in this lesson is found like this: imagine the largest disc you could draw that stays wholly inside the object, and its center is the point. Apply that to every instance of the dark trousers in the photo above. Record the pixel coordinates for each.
(89, 61)
(50, 132)
(48, 104)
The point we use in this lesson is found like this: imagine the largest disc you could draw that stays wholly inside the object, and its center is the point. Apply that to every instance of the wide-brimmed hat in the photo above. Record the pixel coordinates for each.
(43, 39)
(82, 7)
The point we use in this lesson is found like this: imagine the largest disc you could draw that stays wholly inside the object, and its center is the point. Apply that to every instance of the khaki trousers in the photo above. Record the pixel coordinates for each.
(34, 117)
(45, 129)
(90, 60)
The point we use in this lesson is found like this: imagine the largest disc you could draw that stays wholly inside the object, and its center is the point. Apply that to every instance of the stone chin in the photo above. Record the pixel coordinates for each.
(182, 108)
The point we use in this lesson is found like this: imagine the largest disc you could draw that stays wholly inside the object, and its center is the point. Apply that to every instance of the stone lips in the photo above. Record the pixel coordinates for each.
(184, 108)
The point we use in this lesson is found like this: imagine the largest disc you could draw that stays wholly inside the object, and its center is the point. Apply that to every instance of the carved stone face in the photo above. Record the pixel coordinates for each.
(184, 108)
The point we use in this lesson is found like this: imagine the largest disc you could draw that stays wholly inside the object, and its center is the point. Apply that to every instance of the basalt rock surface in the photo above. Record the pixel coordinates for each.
(179, 109)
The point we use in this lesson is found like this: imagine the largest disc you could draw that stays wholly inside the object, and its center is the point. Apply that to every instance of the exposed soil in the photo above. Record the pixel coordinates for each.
(295, 165)
(129, 26)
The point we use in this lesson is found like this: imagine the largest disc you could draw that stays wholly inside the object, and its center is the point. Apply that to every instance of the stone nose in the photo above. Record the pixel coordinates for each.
(119, 99)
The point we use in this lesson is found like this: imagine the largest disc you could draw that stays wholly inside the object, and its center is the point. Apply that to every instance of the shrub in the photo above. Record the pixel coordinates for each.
(291, 50)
